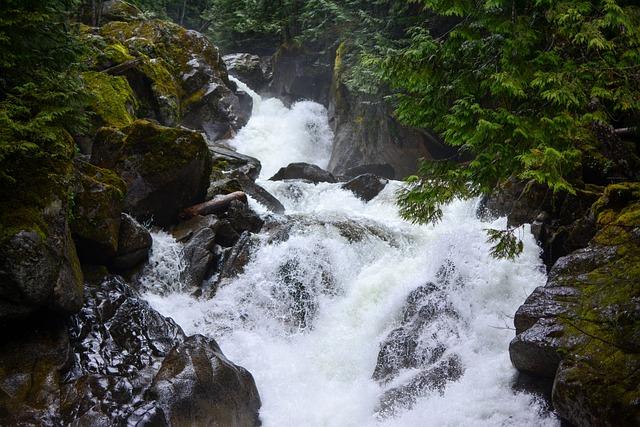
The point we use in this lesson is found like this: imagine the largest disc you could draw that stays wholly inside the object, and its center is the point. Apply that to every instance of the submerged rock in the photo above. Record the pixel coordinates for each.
(418, 348)
(366, 186)
(304, 171)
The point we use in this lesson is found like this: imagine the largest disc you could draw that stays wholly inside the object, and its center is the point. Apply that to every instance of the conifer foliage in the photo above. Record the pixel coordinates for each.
(518, 86)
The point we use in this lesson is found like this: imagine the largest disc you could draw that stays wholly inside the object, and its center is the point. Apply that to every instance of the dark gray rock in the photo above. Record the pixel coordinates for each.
(197, 384)
(248, 68)
(227, 161)
(199, 257)
(418, 345)
(165, 169)
(300, 73)
(366, 133)
(119, 362)
(134, 244)
(183, 231)
(238, 182)
(366, 186)
(431, 380)
(383, 170)
(303, 171)
(41, 271)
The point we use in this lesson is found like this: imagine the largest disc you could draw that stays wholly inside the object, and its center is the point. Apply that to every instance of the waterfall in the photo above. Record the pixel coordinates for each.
(342, 279)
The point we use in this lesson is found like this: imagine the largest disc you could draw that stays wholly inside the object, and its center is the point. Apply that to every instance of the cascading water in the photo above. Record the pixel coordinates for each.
(336, 280)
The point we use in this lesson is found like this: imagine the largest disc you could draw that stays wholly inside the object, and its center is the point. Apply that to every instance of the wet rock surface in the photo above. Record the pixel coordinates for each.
(119, 362)
(250, 69)
(134, 244)
(165, 169)
(303, 171)
(418, 346)
(366, 186)
(581, 328)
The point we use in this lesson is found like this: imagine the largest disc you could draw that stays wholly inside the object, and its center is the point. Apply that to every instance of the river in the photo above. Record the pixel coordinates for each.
(312, 309)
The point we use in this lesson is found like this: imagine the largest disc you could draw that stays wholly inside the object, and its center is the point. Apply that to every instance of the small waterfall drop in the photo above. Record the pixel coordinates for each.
(316, 304)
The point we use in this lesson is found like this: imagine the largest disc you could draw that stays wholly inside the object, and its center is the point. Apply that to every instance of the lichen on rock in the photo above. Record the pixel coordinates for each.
(587, 319)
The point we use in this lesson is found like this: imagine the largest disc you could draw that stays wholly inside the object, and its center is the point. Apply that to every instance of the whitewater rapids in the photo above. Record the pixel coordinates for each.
(319, 373)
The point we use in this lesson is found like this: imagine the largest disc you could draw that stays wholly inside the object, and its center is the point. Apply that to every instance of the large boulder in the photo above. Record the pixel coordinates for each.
(119, 362)
(134, 244)
(177, 75)
(366, 131)
(165, 169)
(366, 186)
(250, 69)
(303, 171)
(98, 201)
(39, 267)
(583, 328)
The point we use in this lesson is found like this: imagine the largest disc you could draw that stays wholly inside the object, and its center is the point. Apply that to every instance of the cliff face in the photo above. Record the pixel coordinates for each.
(366, 134)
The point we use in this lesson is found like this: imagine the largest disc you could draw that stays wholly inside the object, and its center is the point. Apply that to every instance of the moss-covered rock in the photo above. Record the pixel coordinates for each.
(39, 268)
(587, 320)
(165, 170)
(113, 100)
(98, 201)
(179, 78)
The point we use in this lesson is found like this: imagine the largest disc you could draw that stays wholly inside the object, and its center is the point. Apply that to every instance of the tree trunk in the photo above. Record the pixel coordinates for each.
(182, 13)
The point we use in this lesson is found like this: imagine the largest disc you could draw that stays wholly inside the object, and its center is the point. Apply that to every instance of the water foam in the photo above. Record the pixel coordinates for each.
(278, 135)
(347, 268)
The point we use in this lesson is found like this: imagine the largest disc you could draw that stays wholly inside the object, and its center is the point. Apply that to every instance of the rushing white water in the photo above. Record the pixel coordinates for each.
(278, 135)
(309, 313)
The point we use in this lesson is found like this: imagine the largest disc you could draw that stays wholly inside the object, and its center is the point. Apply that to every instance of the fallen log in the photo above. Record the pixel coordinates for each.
(215, 206)
(121, 68)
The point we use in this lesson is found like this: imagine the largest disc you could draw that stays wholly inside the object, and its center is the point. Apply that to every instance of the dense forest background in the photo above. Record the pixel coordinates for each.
(524, 88)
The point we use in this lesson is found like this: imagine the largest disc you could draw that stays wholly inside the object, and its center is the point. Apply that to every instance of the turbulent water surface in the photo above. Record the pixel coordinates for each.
(311, 311)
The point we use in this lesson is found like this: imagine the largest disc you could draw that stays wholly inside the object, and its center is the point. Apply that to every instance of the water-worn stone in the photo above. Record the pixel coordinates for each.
(199, 256)
(248, 68)
(165, 169)
(418, 346)
(583, 327)
(366, 186)
(119, 362)
(134, 244)
(304, 171)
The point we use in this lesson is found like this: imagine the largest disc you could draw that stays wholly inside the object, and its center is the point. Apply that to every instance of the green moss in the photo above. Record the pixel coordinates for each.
(602, 333)
(164, 148)
(113, 99)
(157, 70)
(117, 53)
(40, 190)
(97, 207)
